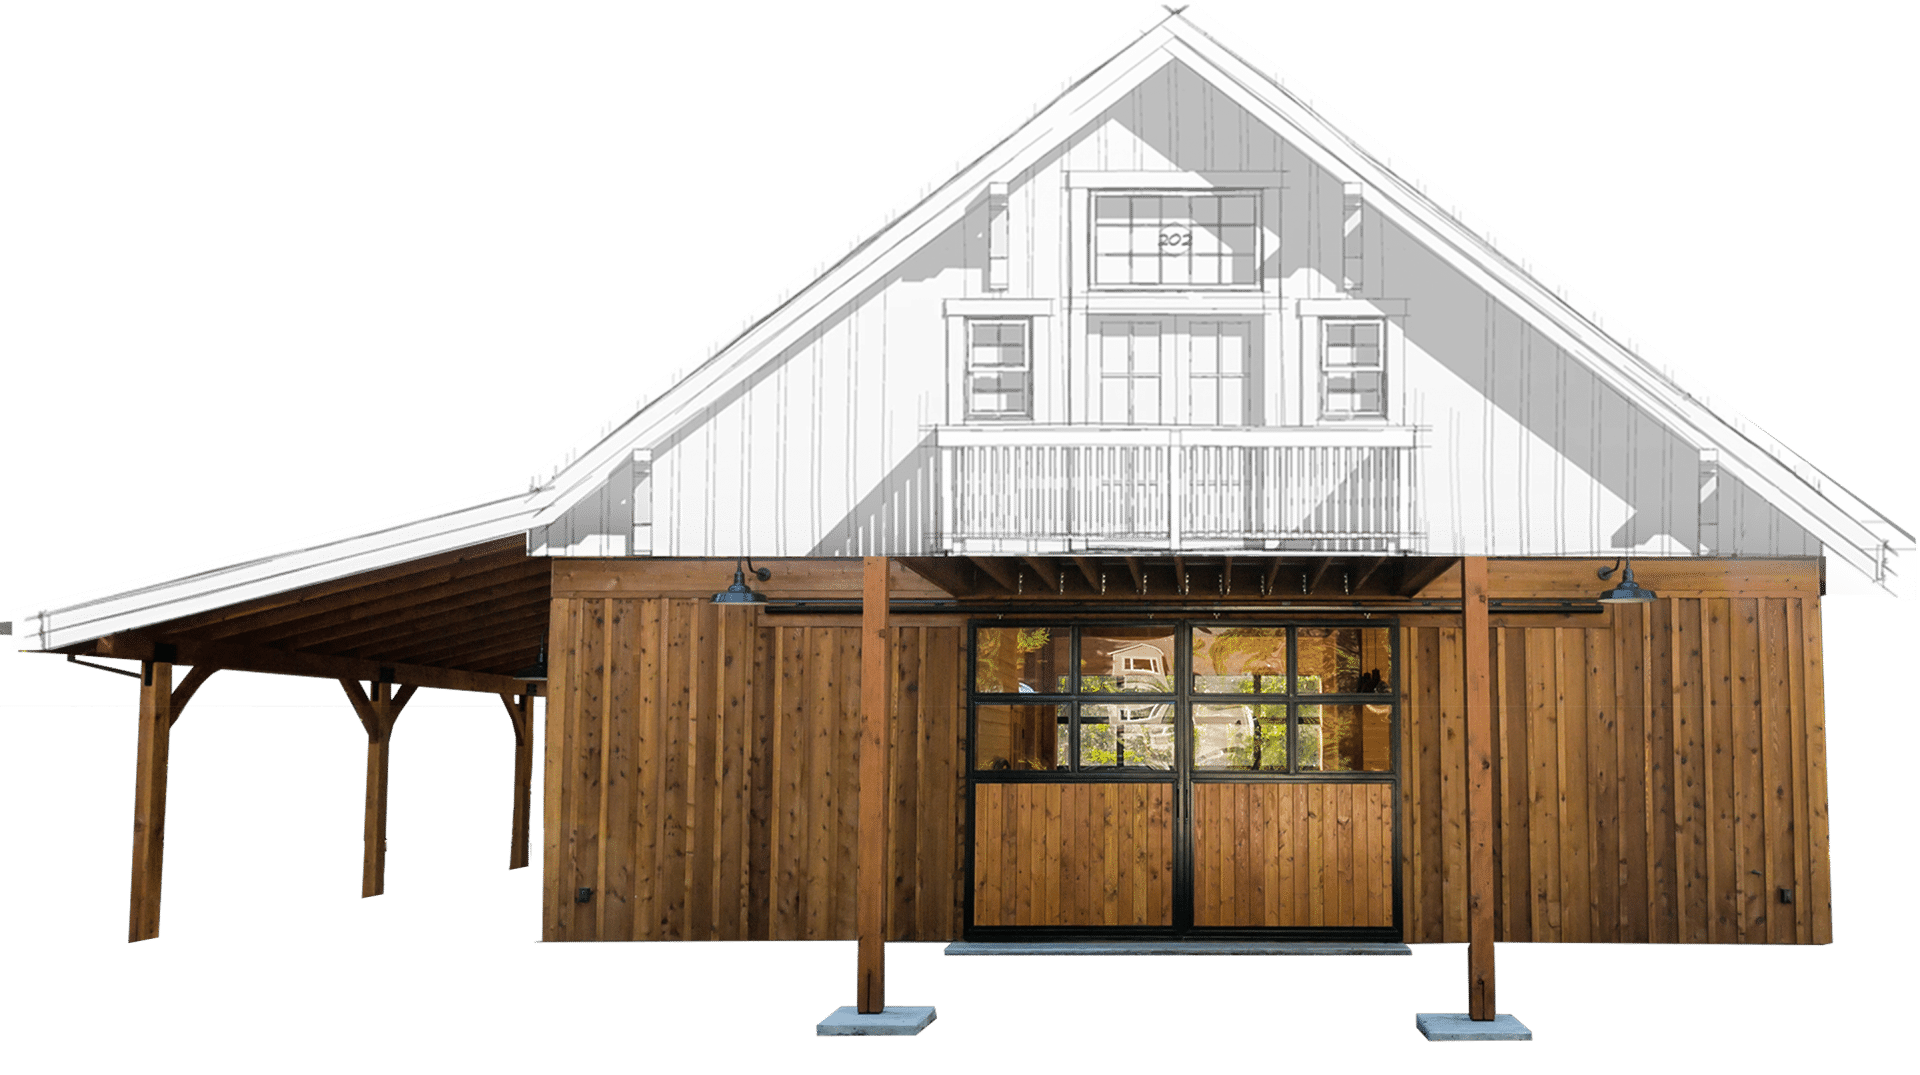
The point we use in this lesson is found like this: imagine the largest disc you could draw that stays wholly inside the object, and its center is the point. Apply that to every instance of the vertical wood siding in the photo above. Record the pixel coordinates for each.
(702, 775)
(1660, 777)
(1073, 855)
(1316, 854)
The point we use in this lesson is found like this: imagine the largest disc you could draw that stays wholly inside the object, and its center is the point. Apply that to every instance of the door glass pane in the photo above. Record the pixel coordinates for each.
(1020, 737)
(1346, 738)
(1251, 737)
(1345, 660)
(1239, 660)
(1126, 736)
(1130, 659)
(1021, 660)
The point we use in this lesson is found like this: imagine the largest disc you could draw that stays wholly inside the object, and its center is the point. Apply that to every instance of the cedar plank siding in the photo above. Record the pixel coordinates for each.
(1655, 778)
(713, 791)
(1660, 774)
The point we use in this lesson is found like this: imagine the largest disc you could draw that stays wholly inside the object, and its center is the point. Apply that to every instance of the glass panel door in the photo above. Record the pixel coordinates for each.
(1176, 776)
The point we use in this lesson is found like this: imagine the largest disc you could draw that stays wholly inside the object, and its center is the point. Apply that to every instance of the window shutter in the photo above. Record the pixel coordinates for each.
(1353, 239)
(997, 237)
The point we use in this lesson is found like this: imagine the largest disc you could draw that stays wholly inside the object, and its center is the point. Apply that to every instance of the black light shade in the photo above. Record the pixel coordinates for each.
(535, 672)
(1628, 592)
(739, 593)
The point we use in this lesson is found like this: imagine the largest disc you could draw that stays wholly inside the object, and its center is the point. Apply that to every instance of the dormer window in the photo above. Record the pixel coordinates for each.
(1184, 240)
(999, 369)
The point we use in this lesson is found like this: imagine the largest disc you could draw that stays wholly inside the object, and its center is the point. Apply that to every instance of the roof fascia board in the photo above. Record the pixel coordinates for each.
(277, 574)
(1849, 538)
(1042, 133)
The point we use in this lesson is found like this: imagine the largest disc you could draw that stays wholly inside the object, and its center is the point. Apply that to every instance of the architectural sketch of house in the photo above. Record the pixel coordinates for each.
(1174, 499)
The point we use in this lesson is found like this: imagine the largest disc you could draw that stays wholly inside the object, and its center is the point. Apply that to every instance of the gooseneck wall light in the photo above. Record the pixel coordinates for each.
(739, 593)
(1628, 592)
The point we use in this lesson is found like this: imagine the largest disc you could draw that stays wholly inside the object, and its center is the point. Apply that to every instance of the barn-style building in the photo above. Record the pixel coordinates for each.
(1174, 533)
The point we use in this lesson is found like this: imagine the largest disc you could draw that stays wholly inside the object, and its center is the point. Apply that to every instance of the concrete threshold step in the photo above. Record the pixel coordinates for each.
(1178, 948)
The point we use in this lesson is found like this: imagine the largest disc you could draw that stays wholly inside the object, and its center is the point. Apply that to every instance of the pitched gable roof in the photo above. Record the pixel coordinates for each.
(1852, 530)
(1848, 527)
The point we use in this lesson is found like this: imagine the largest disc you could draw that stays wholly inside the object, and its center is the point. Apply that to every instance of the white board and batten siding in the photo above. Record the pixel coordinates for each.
(831, 447)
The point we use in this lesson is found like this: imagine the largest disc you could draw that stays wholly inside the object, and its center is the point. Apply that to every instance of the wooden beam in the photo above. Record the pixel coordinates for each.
(134, 645)
(1139, 572)
(375, 630)
(949, 573)
(996, 569)
(1046, 569)
(1368, 568)
(1180, 575)
(458, 646)
(150, 799)
(1478, 678)
(520, 712)
(1417, 573)
(417, 580)
(351, 615)
(1088, 572)
(377, 714)
(185, 691)
(1273, 575)
(870, 881)
(504, 660)
(1317, 573)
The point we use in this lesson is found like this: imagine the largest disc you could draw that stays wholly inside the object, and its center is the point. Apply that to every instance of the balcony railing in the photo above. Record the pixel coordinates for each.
(1025, 488)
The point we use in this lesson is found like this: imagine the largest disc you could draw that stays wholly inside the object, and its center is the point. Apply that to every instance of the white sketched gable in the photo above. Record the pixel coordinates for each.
(1743, 457)
(604, 494)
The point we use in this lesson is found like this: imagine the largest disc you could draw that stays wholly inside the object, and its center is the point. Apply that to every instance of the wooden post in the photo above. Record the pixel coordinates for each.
(377, 714)
(870, 882)
(1480, 885)
(150, 799)
(520, 712)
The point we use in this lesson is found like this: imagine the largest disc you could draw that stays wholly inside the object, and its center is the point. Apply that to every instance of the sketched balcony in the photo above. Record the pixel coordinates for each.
(1027, 488)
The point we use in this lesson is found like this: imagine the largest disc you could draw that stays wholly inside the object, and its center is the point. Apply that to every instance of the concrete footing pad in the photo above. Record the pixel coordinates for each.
(848, 1022)
(1462, 1028)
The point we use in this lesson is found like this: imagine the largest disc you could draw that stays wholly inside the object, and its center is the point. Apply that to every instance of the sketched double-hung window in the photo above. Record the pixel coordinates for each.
(999, 369)
(1353, 371)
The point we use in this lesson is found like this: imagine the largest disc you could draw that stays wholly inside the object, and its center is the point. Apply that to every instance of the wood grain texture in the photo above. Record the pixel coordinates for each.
(731, 785)
(1293, 854)
(1478, 755)
(520, 716)
(871, 880)
(150, 800)
(1073, 855)
(1660, 770)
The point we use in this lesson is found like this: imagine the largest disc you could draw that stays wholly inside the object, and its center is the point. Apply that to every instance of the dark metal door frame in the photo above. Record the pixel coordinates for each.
(1182, 777)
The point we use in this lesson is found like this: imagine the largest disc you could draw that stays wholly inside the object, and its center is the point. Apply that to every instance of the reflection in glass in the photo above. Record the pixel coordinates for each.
(1344, 660)
(1240, 660)
(1126, 736)
(1346, 738)
(1021, 737)
(1252, 737)
(1130, 659)
(1021, 660)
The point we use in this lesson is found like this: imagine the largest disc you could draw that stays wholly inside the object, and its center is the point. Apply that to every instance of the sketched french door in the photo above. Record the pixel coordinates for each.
(1164, 370)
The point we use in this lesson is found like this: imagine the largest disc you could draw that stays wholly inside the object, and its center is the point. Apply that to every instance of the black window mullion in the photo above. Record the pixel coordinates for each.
(1292, 703)
(1073, 707)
